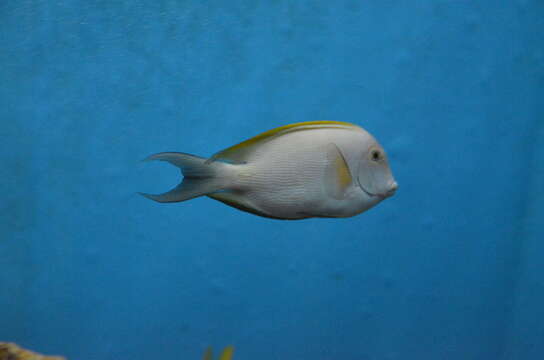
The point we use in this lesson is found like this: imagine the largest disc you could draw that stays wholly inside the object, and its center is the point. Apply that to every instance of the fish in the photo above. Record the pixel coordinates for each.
(314, 169)
(225, 355)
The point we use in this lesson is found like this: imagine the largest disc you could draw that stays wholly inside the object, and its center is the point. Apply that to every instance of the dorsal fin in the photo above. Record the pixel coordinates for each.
(239, 153)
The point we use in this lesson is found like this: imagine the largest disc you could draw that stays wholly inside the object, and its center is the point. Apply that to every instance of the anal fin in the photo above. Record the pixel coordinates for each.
(237, 201)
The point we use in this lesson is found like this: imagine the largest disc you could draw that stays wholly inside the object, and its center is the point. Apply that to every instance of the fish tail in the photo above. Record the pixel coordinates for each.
(199, 177)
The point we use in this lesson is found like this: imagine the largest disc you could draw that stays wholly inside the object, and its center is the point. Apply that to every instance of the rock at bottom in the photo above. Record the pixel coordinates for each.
(10, 351)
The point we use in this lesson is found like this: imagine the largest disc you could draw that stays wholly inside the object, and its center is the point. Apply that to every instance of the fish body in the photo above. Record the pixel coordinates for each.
(298, 171)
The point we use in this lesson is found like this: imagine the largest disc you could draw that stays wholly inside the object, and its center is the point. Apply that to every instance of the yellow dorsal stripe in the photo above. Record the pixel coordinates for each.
(287, 128)
(227, 353)
(232, 152)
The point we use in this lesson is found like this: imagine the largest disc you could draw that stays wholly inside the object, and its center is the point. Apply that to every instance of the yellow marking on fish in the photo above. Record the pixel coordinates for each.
(342, 171)
(337, 176)
(225, 154)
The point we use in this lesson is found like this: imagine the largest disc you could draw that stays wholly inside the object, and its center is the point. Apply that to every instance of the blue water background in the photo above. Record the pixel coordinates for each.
(449, 268)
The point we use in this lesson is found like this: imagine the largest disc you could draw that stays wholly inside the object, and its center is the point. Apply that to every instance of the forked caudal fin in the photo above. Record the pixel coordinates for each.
(199, 178)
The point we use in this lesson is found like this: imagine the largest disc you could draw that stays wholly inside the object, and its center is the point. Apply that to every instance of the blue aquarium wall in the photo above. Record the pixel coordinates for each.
(448, 268)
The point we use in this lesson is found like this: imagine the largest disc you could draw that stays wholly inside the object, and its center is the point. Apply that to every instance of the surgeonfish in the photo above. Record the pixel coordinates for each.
(297, 171)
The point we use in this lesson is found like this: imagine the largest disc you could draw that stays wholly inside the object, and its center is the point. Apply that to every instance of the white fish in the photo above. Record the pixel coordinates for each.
(297, 171)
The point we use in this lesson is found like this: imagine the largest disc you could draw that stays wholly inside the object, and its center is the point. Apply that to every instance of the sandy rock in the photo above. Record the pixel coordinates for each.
(10, 351)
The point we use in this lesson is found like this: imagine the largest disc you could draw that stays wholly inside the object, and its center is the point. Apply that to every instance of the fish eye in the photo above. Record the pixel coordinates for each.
(375, 155)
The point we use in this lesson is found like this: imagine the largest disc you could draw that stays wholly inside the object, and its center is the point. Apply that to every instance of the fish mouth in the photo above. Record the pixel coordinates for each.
(393, 189)
(382, 196)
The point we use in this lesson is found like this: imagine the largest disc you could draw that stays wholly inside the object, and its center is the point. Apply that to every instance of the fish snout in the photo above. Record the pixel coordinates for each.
(392, 189)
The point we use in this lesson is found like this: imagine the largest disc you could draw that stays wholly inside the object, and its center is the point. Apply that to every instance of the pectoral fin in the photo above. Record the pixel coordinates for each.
(337, 177)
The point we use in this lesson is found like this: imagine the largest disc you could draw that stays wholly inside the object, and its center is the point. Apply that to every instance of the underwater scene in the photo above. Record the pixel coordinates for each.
(235, 180)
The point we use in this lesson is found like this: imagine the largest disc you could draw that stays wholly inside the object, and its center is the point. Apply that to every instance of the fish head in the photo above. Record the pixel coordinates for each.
(374, 175)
